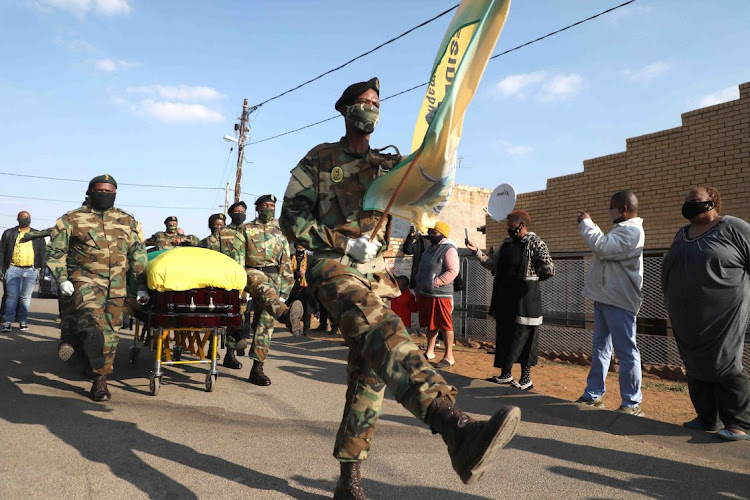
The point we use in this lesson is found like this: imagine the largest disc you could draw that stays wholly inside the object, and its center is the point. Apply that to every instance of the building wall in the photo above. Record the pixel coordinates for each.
(711, 148)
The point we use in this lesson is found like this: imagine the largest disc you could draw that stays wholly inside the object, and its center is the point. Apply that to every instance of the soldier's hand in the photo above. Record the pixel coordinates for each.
(67, 288)
(362, 249)
(25, 238)
(142, 297)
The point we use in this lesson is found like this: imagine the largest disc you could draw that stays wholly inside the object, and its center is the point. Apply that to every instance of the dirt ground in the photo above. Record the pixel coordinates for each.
(663, 400)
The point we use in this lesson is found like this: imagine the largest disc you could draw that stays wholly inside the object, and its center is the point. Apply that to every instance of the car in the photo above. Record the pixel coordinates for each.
(48, 286)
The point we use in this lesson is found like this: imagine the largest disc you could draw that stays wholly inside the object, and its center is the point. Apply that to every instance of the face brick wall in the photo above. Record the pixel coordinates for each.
(711, 148)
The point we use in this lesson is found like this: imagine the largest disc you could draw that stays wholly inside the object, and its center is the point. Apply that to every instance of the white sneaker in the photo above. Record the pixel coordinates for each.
(6, 327)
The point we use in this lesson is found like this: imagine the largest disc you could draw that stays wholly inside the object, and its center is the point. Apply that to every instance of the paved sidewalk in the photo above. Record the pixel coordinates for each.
(276, 442)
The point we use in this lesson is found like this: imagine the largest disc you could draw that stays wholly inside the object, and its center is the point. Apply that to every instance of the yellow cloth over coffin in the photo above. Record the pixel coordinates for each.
(186, 268)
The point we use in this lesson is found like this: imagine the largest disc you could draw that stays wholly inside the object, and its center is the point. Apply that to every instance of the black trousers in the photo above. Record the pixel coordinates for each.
(515, 343)
(727, 399)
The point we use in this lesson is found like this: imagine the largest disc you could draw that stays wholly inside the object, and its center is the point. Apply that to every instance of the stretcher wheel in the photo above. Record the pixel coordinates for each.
(134, 352)
(210, 382)
(154, 385)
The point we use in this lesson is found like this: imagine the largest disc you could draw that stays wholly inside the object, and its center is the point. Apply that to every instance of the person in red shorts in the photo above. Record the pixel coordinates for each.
(438, 268)
(405, 304)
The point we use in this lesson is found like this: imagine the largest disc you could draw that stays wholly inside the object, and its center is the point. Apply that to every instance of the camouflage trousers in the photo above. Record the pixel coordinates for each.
(98, 319)
(381, 354)
(267, 307)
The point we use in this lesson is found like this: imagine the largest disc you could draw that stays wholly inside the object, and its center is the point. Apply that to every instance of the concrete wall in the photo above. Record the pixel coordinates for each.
(711, 148)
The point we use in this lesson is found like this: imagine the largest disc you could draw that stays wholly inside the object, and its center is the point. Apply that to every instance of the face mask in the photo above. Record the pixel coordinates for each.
(435, 238)
(102, 201)
(24, 222)
(363, 117)
(215, 230)
(614, 214)
(515, 232)
(692, 209)
(266, 214)
(238, 218)
(171, 229)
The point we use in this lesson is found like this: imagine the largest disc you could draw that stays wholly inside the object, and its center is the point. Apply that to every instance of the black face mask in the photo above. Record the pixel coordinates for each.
(238, 218)
(691, 209)
(101, 201)
(435, 238)
(24, 222)
(515, 232)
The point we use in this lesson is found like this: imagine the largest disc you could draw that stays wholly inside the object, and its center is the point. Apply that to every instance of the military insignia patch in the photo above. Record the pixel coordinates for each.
(337, 174)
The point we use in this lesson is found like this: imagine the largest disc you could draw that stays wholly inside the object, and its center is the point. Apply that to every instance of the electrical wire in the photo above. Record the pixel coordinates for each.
(79, 201)
(420, 25)
(426, 83)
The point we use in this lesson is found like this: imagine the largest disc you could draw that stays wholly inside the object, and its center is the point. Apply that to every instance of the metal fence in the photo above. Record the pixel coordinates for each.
(568, 317)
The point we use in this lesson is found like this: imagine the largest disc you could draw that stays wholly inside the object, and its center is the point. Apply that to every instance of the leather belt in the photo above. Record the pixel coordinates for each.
(267, 269)
(376, 265)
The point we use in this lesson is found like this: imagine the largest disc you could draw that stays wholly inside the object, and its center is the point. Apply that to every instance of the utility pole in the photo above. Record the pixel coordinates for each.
(226, 198)
(240, 154)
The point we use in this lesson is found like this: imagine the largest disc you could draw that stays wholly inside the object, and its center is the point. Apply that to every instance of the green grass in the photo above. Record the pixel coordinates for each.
(662, 386)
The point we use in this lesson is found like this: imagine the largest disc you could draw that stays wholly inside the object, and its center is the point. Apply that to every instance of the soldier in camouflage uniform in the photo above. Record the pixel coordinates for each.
(92, 251)
(347, 273)
(269, 281)
(187, 240)
(166, 239)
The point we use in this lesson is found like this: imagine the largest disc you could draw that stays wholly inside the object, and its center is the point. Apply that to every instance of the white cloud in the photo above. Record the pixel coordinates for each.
(561, 87)
(519, 150)
(80, 8)
(178, 92)
(648, 72)
(723, 95)
(630, 11)
(171, 112)
(513, 85)
(110, 65)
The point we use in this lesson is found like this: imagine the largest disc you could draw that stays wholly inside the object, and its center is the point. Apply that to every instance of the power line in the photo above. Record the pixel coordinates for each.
(78, 202)
(420, 25)
(121, 183)
(426, 83)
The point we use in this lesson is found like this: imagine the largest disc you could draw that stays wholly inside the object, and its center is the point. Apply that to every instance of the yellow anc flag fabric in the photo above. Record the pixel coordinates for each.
(428, 172)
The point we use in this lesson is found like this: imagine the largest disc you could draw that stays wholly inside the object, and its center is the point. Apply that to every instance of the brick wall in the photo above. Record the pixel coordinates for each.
(711, 148)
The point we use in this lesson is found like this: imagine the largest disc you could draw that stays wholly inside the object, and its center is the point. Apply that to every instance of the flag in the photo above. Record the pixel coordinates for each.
(428, 172)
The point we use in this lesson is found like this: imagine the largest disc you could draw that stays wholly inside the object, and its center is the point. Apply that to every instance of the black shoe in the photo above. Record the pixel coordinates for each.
(349, 486)
(471, 444)
(23, 327)
(99, 391)
(230, 360)
(257, 376)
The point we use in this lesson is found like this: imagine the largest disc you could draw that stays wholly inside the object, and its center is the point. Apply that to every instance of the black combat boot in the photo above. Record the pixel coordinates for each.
(292, 317)
(230, 360)
(349, 486)
(99, 391)
(471, 443)
(257, 376)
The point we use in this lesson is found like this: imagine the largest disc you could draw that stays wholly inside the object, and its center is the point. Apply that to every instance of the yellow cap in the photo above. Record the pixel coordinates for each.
(443, 227)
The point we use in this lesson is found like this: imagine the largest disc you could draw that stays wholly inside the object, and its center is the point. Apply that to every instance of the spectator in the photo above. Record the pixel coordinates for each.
(415, 244)
(614, 282)
(521, 262)
(405, 304)
(438, 267)
(20, 263)
(705, 284)
(299, 289)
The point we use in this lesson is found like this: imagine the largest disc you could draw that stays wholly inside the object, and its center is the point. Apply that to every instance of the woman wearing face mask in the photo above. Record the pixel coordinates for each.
(706, 291)
(521, 262)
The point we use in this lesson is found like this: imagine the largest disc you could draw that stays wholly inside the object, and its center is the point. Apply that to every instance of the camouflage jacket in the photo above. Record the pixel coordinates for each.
(36, 234)
(229, 241)
(163, 240)
(265, 246)
(102, 248)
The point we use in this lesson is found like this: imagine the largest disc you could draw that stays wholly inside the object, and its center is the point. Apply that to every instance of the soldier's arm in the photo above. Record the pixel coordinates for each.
(297, 221)
(137, 258)
(35, 235)
(285, 270)
(57, 250)
(151, 241)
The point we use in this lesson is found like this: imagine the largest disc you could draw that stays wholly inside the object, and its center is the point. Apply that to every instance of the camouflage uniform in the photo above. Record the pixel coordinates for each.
(322, 209)
(164, 240)
(96, 251)
(269, 277)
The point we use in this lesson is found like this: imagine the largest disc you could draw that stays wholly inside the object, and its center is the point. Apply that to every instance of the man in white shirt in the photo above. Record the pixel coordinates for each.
(614, 283)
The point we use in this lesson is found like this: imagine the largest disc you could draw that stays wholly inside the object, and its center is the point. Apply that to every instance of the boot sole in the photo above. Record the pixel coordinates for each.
(295, 317)
(504, 425)
(240, 345)
(65, 352)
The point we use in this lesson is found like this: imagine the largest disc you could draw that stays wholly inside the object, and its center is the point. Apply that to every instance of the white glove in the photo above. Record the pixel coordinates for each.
(362, 249)
(142, 297)
(67, 288)
(282, 300)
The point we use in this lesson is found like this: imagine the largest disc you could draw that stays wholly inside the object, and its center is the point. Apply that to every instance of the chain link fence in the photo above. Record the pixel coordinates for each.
(568, 317)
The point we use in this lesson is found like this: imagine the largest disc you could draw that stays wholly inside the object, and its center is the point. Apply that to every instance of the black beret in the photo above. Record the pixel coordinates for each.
(214, 218)
(355, 90)
(235, 205)
(265, 198)
(169, 219)
(103, 179)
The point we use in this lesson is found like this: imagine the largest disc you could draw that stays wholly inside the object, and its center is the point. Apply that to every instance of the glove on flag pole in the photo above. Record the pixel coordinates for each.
(418, 187)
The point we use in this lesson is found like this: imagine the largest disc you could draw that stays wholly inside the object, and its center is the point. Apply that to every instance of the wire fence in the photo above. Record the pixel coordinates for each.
(568, 317)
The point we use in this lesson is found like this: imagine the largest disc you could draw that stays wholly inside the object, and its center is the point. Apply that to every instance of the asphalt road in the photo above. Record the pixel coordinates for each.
(276, 442)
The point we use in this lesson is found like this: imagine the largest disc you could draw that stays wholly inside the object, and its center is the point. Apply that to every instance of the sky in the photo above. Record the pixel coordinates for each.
(145, 89)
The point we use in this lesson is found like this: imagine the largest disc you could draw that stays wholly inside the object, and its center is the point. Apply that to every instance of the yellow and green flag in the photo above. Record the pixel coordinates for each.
(427, 174)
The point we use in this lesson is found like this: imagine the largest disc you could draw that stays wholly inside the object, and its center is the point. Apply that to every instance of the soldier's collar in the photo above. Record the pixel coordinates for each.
(345, 146)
